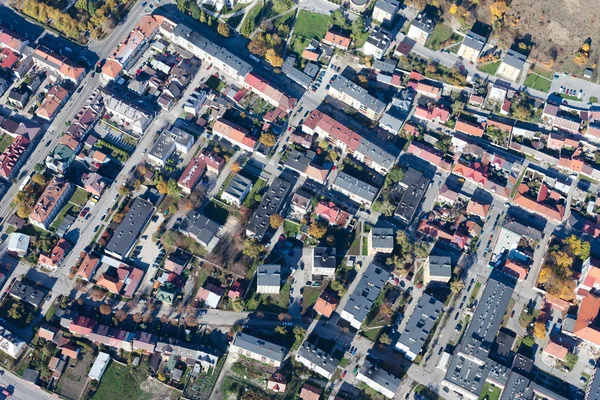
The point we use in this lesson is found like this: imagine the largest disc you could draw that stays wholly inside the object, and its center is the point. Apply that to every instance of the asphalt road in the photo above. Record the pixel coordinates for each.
(23, 390)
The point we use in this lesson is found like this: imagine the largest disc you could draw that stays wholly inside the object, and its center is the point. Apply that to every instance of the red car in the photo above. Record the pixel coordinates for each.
(344, 373)
(84, 212)
(512, 314)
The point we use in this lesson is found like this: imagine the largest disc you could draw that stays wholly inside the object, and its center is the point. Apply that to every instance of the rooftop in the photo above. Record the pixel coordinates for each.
(419, 326)
(259, 346)
(366, 292)
(132, 225)
(345, 86)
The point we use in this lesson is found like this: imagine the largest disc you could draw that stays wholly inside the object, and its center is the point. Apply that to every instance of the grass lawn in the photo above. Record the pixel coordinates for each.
(440, 34)
(286, 19)
(290, 228)
(121, 381)
(490, 392)
(277, 303)
(236, 8)
(538, 82)
(5, 142)
(68, 208)
(311, 294)
(250, 202)
(311, 25)
(365, 246)
(525, 318)
(567, 96)
(298, 44)
(256, 13)
(489, 68)
(80, 197)
(371, 334)
(543, 72)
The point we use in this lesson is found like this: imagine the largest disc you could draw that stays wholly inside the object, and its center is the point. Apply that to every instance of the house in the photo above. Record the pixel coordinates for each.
(168, 143)
(330, 212)
(436, 114)
(515, 269)
(177, 262)
(511, 65)
(421, 28)
(27, 294)
(235, 134)
(50, 203)
(120, 278)
(357, 97)
(295, 74)
(61, 65)
(18, 244)
(301, 202)
(130, 116)
(324, 262)
(268, 279)
(237, 290)
(364, 295)
(326, 304)
(337, 38)
(130, 228)
(381, 240)
(548, 203)
(378, 379)
(277, 382)
(191, 175)
(471, 47)
(419, 326)
(99, 366)
(10, 344)
(312, 52)
(47, 332)
(210, 295)
(414, 185)
(214, 162)
(310, 392)
(55, 97)
(94, 183)
(70, 350)
(356, 189)
(88, 267)
(236, 191)
(56, 255)
(271, 204)
(268, 92)
(556, 351)
(258, 349)
(385, 11)
(167, 293)
(437, 269)
(200, 228)
(377, 44)
(12, 40)
(317, 360)
(478, 208)
(469, 128)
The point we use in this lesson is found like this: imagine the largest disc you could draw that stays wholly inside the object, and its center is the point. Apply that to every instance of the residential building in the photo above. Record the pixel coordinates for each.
(191, 175)
(237, 190)
(548, 203)
(14, 156)
(55, 97)
(168, 143)
(421, 28)
(414, 186)
(356, 189)
(271, 204)
(268, 279)
(60, 158)
(10, 344)
(88, 267)
(326, 303)
(429, 154)
(364, 295)
(56, 255)
(377, 44)
(99, 366)
(437, 114)
(235, 134)
(511, 65)
(324, 262)
(337, 38)
(210, 295)
(317, 360)
(471, 47)
(61, 65)
(12, 40)
(381, 240)
(18, 97)
(193, 103)
(295, 74)
(277, 382)
(265, 90)
(130, 228)
(94, 183)
(478, 208)
(200, 228)
(302, 162)
(129, 116)
(27, 294)
(419, 326)
(18, 244)
(356, 97)
(385, 11)
(469, 127)
(301, 201)
(258, 349)
(119, 278)
(310, 392)
(51, 202)
(214, 162)
(593, 386)
(330, 212)
(177, 262)
(378, 379)
(437, 269)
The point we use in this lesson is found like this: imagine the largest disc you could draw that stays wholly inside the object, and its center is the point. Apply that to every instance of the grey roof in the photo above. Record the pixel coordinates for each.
(514, 59)
(295, 74)
(593, 389)
(522, 388)
(311, 69)
(356, 186)
(318, 357)
(421, 322)
(132, 225)
(376, 153)
(324, 257)
(415, 184)
(389, 6)
(504, 343)
(423, 23)
(271, 204)
(380, 376)
(388, 66)
(237, 185)
(31, 375)
(199, 226)
(382, 237)
(440, 266)
(269, 275)
(358, 93)
(474, 41)
(391, 123)
(523, 230)
(259, 346)
(298, 160)
(379, 38)
(27, 293)
(232, 61)
(366, 292)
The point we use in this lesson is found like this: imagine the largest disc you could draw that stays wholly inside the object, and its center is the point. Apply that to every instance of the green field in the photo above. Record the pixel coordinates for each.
(489, 68)
(543, 72)
(440, 34)
(490, 392)
(5, 141)
(69, 208)
(121, 381)
(310, 295)
(538, 82)
(311, 25)
(80, 197)
(271, 303)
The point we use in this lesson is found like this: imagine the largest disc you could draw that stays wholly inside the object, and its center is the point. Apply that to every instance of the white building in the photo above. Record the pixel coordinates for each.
(324, 261)
(357, 97)
(268, 279)
(385, 11)
(378, 379)
(129, 116)
(377, 44)
(99, 366)
(168, 143)
(10, 344)
(18, 243)
(420, 29)
(237, 190)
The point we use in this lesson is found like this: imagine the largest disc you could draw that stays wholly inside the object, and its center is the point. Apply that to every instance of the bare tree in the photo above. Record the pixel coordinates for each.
(191, 321)
(137, 317)
(147, 318)
(284, 317)
(164, 318)
(105, 309)
(121, 315)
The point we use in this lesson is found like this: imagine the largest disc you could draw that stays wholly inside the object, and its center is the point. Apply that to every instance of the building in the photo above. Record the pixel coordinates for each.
(119, 278)
(366, 292)
(237, 190)
(317, 360)
(277, 383)
(18, 244)
(326, 304)
(381, 240)
(61, 65)
(355, 189)
(478, 208)
(235, 134)
(258, 349)
(210, 295)
(88, 267)
(338, 39)
(593, 387)
(99, 366)
(191, 175)
(378, 379)
(471, 47)
(437, 269)
(10, 344)
(12, 40)
(419, 326)
(421, 28)
(268, 92)
(295, 74)
(270, 204)
(268, 279)
(202, 229)
(94, 183)
(414, 186)
(356, 97)
(129, 116)
(50, 202)
(310, 392)
(511, 65)
(377, 44)
(324, 262)
(130, 228)
(56, 255)
(385, 11)
(168, 143)
(27, 294)
(52, 103)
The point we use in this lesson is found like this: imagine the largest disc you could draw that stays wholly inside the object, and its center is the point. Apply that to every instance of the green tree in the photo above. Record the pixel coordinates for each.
(338, 18)
(16, 311)
(268, 139)
(223, 29)
(394, 175)
(385, 339)
(253, 248)
(39, 167)
(317, 229)
(282, 330)
(182, 5)
(299, 333)
(457, 286)
(275, 221)
(358, 28)
(457, 107)
(528, 341)
(238, 305)
(202, 16)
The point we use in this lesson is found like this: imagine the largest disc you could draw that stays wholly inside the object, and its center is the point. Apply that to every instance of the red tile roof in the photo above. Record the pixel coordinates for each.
(337, 38)
(56, 255)
(433, 113)
(88, 266)
(262, 86)
(469, 128)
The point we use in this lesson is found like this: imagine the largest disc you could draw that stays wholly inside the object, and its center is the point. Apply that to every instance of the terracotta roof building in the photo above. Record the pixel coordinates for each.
(88, 267)
(56, 255)
(50, 202)
(235, 134)
(338, 39)
(326, 304)
(52, 103)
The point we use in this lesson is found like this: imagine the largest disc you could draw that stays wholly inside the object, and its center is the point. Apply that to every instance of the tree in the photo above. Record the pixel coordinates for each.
(358, 28)
(453, 9)
(574, 244)
(337, 18)
(39, 167)
(201, 16)
(585, 250)
(105, 309)
(585, 47)
(457, 107)
(235, 167)
(121, 315)
(284, 317)
(238, 305)
(498, 9)
(253, 248)
(275, 221)
(280, 6)
(545, 274)
(273, 58)
(539, 330)
(385, 339)
(16, 310)
(528, 341)
(299, 333)
(191, 321)
(282, 330)
(394, 175)
(457, 286)
(39, 179)
(317, 229)
(268, 139)
(223, 29)
(562, 259)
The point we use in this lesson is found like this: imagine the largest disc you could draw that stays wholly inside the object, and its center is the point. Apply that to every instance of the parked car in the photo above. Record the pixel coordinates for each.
(344, 374)
(458, 327)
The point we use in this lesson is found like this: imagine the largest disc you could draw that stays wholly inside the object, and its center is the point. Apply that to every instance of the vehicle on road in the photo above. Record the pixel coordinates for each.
(458, 327)
(344, 373)
(96, 228)
(355, 370)
(512, 314)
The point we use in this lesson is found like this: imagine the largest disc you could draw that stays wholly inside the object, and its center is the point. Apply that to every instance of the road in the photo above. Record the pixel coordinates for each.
(23, 390)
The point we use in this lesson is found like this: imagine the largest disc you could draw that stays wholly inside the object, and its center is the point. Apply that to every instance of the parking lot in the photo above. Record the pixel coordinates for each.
(147, 254)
